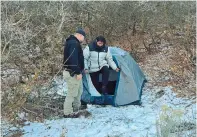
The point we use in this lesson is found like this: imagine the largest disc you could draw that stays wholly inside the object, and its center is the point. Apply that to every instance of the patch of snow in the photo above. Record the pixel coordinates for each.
(58, 87)
(124, 121)
(7, 128)
(22, 115)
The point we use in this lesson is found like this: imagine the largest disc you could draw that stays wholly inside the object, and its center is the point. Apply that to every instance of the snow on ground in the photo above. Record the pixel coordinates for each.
(6, 127)
(124, 121)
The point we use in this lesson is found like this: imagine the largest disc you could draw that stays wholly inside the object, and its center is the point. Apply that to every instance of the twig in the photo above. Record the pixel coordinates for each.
(50, 81)
(29, 111)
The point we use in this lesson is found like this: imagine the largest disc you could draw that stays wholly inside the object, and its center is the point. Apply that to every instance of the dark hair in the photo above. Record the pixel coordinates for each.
(101, 38)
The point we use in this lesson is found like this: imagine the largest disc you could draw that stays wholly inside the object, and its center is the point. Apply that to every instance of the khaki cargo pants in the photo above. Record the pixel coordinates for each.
(73, 97)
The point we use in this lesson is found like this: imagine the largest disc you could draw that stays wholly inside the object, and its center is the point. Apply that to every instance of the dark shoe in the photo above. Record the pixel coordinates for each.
(67, 116)
(78, 114)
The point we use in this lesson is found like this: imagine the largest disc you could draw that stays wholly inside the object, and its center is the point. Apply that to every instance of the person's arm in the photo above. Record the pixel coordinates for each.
(64, 59)
(110, 61)
(86, 54)
(73, 58)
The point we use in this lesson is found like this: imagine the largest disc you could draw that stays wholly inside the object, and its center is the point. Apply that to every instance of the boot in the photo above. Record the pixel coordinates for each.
(78, 114)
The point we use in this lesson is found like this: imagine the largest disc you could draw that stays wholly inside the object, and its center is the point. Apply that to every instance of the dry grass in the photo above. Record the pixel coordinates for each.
(171, 124)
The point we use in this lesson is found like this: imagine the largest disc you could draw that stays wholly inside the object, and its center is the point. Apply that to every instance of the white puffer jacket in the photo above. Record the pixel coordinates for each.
(95, 59)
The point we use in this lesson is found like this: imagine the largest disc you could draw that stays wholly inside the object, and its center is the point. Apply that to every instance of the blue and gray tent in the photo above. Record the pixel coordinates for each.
(124, 87)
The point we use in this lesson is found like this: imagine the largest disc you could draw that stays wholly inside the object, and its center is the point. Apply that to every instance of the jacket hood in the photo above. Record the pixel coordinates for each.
(98, 48)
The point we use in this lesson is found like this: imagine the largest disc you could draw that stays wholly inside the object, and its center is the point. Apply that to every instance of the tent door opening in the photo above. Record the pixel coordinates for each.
(111, 86)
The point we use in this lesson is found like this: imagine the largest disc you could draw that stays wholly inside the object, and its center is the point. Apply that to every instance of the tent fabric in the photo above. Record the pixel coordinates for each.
(129, 82)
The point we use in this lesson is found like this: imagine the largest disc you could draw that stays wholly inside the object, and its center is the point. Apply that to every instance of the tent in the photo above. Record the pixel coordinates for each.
(124, 87)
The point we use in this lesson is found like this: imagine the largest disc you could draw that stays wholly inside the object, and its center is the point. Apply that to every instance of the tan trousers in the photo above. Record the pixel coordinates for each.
(73, 97)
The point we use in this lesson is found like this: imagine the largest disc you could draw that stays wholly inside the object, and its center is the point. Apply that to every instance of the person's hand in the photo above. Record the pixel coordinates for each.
(117, 69)
(86, 71)
(79, 77)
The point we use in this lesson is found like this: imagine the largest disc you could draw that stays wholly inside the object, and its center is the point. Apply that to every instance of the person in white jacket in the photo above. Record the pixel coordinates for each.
(98, 59)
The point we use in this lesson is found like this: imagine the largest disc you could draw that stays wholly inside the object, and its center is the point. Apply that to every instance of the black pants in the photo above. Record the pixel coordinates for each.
(105, 77)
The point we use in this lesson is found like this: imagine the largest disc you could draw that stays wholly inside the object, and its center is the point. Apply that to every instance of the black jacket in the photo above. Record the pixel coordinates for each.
(73, 56)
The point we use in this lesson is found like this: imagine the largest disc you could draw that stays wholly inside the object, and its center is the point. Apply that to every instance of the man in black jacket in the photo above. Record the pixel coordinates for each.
(73, 67)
